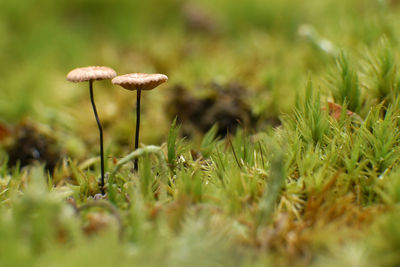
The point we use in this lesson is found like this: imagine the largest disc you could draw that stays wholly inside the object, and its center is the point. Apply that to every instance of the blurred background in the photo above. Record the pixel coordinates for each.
(230, 62)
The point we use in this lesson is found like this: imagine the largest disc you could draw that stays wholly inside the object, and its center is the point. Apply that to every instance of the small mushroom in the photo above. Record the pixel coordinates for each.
(139, 82)
(91, 74)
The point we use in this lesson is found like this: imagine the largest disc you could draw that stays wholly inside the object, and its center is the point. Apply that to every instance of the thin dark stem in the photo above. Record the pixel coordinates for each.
(139, 92)
(101, 136)
(234, 153)
(262, 156)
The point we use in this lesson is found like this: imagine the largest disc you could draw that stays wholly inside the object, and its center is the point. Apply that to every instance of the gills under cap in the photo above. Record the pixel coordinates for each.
(140, 81)
(91, 73)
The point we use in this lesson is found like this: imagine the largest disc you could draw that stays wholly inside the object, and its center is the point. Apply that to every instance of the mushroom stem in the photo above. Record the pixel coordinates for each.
(101, 136)
(139, 92)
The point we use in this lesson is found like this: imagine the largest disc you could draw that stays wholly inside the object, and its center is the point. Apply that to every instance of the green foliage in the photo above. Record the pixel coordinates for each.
(344, 84)
(382, 72)
(381, 138)
(209, 140)
(320, 189)
(171, 143)
(309, 120)
(276, 180)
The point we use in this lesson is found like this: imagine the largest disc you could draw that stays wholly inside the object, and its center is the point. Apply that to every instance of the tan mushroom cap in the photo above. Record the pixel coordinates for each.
(90, 73)
(140, 81)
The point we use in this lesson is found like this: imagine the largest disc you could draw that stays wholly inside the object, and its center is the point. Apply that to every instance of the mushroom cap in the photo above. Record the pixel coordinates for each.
(140, 81)
(90, 73)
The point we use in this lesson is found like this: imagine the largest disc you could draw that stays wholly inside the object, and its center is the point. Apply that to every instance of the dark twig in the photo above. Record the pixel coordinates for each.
(234, 153)
(262, 155)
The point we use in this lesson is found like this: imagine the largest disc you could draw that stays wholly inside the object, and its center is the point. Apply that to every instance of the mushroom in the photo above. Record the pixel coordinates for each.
(139, 82)
(91, 74)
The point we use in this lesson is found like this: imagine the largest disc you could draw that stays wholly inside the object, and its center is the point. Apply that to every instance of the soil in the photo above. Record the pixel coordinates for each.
(29, 144)
(225, 105)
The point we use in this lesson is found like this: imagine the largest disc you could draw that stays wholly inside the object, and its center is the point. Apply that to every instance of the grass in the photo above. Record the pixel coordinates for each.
(315, 189)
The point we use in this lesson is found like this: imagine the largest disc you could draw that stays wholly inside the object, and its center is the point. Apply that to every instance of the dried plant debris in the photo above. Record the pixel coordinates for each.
(96, 222)
(4, 131)
(198, 19)
(225, 105)
(28, 143)
(336, 110)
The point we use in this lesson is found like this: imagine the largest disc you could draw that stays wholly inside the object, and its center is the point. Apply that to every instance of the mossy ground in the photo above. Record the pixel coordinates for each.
(308, 183)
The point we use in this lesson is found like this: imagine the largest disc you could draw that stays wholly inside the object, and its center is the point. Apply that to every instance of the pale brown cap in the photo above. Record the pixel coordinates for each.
(90, 73)
(140, 81)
